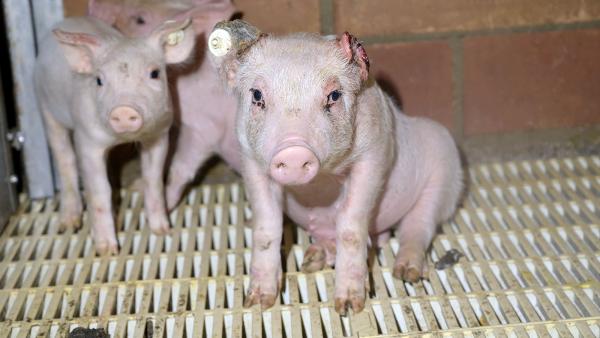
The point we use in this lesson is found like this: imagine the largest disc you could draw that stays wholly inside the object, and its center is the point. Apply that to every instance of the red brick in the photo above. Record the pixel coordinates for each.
(531, 81)
(75, 7)
(419, 74)
(281, 16)
(388, 17)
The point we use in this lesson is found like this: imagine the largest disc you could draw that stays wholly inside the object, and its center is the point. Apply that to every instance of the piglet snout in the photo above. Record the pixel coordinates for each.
(294, 165)
(124, 119)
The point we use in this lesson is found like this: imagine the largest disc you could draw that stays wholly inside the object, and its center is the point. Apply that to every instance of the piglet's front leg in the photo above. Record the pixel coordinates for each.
(352, 228)
(153, 158)
(92, 159)
(265, 267)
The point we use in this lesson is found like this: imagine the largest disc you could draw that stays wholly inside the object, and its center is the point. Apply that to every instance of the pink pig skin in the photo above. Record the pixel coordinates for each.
(205, 115)
(103, 89)
(321, 142)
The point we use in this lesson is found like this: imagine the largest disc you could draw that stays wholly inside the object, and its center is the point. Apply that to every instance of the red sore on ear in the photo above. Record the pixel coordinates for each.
(355, 52)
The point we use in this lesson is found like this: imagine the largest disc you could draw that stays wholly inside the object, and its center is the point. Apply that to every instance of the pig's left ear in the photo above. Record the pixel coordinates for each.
(228, 43)
(79, 49)
(355, 53)
(176, 39)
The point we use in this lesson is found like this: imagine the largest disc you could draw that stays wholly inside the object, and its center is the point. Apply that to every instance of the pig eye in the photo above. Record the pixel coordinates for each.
(140, 20)
(257, 98)
(334, 96)
(256, 94)
(155, 74)
(99, 81)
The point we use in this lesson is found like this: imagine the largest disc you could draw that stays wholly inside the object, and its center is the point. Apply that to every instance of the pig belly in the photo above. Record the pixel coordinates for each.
(315, 206)
(400, 194)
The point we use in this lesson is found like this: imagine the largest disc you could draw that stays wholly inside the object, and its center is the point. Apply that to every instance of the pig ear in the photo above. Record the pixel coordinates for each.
(79, 49)
(176, 39)
(206, 13)
(355, 53)
(228, 43)
(103, 10)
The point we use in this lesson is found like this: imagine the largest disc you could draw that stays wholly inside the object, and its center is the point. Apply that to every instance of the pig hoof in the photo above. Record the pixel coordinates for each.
(109, 248)
(70, 221)
(354, 301)
(160, 229)
(265, 300)
(409, 271)
(314, 259)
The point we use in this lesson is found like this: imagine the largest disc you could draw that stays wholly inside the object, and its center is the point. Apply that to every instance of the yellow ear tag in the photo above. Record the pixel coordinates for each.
(175, 38)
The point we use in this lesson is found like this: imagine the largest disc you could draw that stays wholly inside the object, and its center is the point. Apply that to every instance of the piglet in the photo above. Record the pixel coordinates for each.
(322, 142)
(106, 89)
(205, 111)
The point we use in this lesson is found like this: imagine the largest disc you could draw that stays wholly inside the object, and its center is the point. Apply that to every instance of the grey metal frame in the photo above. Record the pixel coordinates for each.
(8, 194)
(26, 22)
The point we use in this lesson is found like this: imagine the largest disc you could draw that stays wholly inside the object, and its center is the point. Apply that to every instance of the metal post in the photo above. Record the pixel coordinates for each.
(8, 194)
(21, 17)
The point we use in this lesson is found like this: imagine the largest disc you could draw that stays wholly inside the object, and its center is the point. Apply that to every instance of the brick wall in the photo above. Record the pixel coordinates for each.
(479, 67)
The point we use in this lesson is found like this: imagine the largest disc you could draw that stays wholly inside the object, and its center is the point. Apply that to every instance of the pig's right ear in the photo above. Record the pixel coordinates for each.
(79, 49)
(228, 43)
(104, 10)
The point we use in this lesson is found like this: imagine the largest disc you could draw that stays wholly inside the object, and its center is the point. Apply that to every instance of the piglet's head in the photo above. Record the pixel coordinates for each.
(127, 76)
(140, 17)
(297, 96)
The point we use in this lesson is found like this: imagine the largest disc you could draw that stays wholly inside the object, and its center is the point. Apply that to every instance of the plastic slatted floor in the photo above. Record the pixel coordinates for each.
(530, 232)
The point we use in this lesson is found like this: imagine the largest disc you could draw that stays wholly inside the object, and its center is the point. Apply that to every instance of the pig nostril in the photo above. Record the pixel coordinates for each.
(132, 118)
(280, 165)
(306, 165)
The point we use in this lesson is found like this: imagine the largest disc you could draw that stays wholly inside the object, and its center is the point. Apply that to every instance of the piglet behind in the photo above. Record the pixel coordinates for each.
(100, 89)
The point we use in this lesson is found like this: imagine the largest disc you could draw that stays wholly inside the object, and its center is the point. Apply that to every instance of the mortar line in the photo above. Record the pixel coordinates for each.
(413, 37)
(458, 92)
(326, 17)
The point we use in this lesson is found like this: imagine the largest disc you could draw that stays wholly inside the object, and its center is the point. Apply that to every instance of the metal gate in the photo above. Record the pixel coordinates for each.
(27, 21)
(7, 189)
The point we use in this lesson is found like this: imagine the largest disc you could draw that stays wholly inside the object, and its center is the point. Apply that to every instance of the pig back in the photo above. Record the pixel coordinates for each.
(53, 81)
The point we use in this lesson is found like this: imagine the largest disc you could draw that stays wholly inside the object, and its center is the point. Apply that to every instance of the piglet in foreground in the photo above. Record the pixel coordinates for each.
(106, 89)
(322, 142)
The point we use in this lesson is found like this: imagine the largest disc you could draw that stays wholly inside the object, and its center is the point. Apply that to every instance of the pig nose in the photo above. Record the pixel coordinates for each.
(125, 119)
(294, 165)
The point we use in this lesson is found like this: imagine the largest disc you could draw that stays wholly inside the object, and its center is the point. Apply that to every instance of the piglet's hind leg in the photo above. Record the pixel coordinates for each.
(414, 235)
(318, 255)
